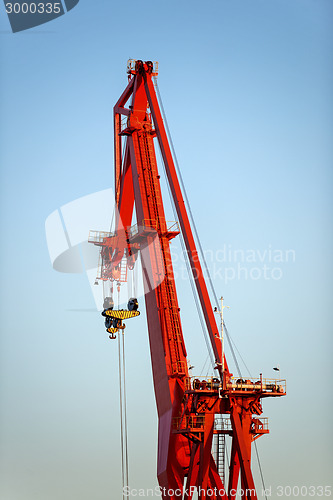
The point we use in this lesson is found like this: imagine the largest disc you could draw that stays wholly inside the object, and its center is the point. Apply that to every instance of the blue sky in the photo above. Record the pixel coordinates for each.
(246, 85)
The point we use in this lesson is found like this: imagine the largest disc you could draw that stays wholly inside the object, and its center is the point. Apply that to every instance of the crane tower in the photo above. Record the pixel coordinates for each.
(194, 413)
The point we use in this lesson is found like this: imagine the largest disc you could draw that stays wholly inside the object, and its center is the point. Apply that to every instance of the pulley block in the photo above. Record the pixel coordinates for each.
(108, 303)
(122, 314)
(133, 304)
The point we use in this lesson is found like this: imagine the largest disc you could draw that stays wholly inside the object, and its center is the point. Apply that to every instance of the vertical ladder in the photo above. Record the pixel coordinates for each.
(220, 449)
(149, 179)
(220, 455)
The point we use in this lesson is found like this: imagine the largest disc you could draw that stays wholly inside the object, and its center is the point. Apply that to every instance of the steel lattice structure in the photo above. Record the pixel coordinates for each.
(187, 407)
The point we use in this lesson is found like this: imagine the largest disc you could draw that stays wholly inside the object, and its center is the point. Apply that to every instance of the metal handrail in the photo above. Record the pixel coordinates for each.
(123, 123)
(172, 226)
(234, 383)
(260, 424)
(189, 422)
(265, 384)
(145, 223)
(222, 423)
(202, 383)
(98, 236)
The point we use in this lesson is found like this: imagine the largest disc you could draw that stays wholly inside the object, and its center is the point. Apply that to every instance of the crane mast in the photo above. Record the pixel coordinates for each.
(190, 410)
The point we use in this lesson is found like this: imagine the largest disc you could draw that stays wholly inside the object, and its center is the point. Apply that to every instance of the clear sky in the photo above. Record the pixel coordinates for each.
(247, 89)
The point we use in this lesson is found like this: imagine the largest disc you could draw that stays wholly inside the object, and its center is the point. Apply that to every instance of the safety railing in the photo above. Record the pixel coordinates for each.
(193, 423)
(277, 386)
(131, 65)
(259, 425)
(98, 236)
(148, 224)
(141, 226)
(144, 225)
(260, 384)
(179, 368)
(174, 228)
(202, 384)
(222, 423)
(123, 123)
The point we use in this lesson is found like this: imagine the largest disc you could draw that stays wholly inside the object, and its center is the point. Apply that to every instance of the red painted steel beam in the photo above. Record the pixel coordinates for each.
(242, 439)
(117, 138)
(117, 155)
(125, 95)
(125, 191)
(233, 471)
(206, 453)
(193, 471)
(216, 482)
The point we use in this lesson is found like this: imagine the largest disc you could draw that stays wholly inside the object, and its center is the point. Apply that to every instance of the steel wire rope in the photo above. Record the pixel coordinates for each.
(105, 291)
(227, 461)
(200, 246)
(194, 293)
(118, 184)
(260, 469)
(204, 366)
(230, 339)
(192, 219)
(121, 417)
(125, 410)
(129, 284)
(206, 269)
(135, 277)
(113, 212)
(232, 350)
(200, 250)
(185, 194)
(196, 300)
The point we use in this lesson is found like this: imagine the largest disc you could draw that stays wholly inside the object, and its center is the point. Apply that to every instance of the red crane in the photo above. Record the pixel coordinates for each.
(190, 410)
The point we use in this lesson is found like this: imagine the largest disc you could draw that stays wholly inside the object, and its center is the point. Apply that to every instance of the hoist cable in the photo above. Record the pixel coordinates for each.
(129, 284)
(192, 218)
(125, 412)
(121, 417)
(185, 195)
(260, 469)
(232, 350)
(117, 187)
(112, 217)
(194, 293)
(227, 459)
(239, 354)
(135, 278)
(196, 300)
(122, 403)
(195, 296)
(204, 366)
